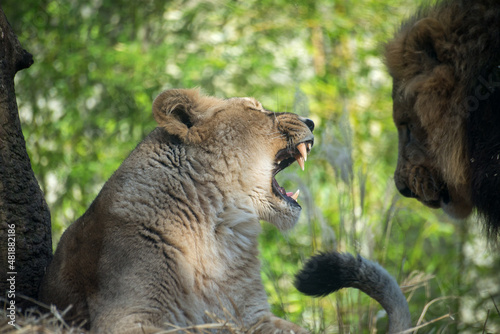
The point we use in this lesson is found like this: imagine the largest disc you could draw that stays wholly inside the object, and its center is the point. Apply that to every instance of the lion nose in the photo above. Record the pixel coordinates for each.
(406, 192)
(308, 122)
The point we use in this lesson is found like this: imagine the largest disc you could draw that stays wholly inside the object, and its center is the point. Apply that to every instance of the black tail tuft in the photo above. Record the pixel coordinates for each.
(326, 273)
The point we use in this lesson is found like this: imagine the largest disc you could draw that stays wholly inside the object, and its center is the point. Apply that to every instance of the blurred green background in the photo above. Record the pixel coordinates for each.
(86, 103)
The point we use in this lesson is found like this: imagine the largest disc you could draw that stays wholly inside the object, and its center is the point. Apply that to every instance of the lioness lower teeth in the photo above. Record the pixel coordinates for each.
(296, 195)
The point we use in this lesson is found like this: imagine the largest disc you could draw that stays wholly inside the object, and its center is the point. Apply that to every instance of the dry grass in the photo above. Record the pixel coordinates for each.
(51, 321)
(35, 321)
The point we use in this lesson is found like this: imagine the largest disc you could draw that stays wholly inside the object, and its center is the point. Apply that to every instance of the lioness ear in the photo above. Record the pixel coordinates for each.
(428, 35)
(174, 110)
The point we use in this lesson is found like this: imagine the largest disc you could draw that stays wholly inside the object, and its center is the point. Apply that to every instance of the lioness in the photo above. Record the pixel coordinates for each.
(445, 64)
(173, 233)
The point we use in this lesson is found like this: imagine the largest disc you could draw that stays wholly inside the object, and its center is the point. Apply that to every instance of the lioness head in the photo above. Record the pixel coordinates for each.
(251, 145)
(430, 118)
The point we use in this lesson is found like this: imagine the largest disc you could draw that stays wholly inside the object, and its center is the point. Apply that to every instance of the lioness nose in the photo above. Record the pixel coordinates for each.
(309, 123)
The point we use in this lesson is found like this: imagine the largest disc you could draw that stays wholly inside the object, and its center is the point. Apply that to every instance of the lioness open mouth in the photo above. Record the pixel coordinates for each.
(285, 158)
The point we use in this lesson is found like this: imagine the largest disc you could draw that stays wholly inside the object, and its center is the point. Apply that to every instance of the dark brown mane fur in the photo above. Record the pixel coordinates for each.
(447, 59)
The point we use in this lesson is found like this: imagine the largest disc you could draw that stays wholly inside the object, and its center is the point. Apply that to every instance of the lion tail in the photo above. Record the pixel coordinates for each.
(328, 272)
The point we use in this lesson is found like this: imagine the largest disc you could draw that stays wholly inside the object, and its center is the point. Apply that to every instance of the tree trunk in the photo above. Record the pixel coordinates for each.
(25, 231)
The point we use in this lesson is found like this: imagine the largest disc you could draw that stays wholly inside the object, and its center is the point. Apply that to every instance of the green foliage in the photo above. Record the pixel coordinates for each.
(86, 103)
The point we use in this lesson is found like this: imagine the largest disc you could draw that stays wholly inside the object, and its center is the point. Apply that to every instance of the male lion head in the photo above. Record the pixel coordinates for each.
(444, 64)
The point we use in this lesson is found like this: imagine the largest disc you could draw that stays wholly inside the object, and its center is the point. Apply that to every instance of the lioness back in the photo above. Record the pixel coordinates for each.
(173, 233)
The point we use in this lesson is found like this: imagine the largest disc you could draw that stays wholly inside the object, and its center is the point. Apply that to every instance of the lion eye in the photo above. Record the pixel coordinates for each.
(405, 131)
(408, 132)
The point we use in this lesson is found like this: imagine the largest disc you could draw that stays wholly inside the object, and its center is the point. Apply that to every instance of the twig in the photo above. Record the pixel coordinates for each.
(197, 327)
(410, 330)
(427, 307)
(486, 320)
(34, 301)
(496, 307)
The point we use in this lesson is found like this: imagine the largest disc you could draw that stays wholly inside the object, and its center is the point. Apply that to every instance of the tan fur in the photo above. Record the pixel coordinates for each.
(173, 233)
(436, 60)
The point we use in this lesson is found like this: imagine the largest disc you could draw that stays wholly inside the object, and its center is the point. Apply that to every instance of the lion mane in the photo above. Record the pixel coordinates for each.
(445, 65)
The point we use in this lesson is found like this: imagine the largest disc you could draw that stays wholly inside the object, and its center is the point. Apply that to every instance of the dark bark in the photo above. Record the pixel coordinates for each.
(23, 209)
